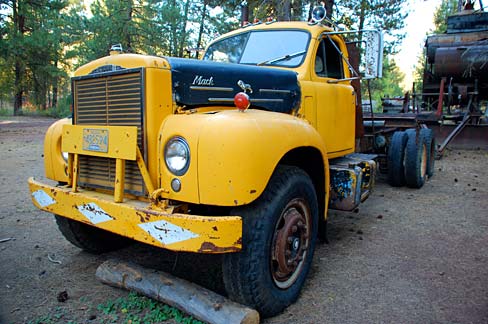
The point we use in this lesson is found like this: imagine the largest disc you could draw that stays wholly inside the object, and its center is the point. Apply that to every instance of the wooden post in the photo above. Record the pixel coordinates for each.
(195, 300)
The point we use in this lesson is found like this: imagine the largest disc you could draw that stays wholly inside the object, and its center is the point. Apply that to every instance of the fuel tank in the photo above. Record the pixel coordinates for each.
(462, 62)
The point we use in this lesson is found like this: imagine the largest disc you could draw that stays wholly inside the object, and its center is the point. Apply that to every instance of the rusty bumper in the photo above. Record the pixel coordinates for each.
(141, 221)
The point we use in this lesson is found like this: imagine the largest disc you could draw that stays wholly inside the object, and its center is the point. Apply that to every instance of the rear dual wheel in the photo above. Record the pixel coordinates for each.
(396, 159)
(411, 157)
(416, 159)
(279, 232)
(431, 148)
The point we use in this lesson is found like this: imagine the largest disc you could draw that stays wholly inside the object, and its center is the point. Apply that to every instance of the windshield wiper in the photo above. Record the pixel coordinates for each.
(282, 58)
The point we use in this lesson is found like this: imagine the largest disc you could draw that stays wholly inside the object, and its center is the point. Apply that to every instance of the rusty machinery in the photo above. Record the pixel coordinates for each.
(454, 96)
(455, 85)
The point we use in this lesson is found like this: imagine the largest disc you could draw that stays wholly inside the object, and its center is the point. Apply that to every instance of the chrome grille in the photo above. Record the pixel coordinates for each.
(113, 99)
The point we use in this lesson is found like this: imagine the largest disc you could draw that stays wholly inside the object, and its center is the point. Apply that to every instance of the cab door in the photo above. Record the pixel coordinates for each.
(335, 100)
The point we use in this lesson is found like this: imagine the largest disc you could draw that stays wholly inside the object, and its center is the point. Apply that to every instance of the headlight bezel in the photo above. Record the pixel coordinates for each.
(178, 140)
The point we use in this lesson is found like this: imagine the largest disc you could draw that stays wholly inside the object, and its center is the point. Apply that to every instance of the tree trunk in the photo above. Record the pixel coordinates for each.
(329, 8)
(202, 23)
(244, 13)
(18, 88)
(173, 30)
(183, 29)
(285, 12)
(362, 14)
(362, 18)
(55, 93)
(54, 101)
(310, 11)
(197, 301)
(127, 30)
(19, 26)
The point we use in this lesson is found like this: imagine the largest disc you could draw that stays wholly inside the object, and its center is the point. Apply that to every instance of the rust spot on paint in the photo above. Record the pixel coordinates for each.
(236, 202)
(210, 247)
(215, 228)
(150, 213)
(238, 242)
(95, 211)
(252, 191)
(141, 217)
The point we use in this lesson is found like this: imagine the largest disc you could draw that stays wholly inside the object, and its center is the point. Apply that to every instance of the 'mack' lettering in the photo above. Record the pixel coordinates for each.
(201, 81)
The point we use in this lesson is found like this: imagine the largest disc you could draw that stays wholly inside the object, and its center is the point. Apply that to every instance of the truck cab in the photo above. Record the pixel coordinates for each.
(241, 153)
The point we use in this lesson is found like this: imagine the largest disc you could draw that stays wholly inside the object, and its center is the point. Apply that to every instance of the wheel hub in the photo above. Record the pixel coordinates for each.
(290, 243)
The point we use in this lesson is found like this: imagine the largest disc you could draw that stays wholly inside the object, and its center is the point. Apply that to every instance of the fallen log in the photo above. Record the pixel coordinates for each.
(195, 300)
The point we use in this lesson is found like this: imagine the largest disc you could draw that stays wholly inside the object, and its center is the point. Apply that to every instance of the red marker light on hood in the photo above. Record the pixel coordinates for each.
(241, 100)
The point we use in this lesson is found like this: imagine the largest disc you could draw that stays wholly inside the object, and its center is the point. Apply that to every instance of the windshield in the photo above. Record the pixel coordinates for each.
(271, 47)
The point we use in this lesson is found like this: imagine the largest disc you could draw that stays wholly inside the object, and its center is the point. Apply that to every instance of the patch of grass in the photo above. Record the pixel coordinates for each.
(138, 309)
(6, 112)
(133, 309)
(56, 317)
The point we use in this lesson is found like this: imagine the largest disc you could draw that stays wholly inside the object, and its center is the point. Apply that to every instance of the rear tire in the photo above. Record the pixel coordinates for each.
(396, 159)
(431, 150)
(415, 159)
(278, 242)
(89, 238)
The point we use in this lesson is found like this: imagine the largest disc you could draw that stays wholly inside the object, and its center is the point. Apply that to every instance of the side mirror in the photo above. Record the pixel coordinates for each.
(372, 60)
(370, 42)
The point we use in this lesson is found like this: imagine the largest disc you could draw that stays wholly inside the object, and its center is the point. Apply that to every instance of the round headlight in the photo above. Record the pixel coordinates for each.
(177, 155)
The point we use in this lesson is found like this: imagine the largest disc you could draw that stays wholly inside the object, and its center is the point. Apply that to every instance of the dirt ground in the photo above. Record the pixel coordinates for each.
(407, 256)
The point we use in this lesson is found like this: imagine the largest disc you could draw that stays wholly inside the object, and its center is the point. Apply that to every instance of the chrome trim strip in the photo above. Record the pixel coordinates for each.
(252, 100)
(275, 91)
(199, 88)
(221, 99)
(266, 100)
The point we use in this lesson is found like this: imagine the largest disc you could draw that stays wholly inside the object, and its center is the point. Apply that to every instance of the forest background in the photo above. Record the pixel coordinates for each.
(43, 41)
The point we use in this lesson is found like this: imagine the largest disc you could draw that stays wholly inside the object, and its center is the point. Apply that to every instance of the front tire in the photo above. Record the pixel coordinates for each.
(89, 238)
(279, 234)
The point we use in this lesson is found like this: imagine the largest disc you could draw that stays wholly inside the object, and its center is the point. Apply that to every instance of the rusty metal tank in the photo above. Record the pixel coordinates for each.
(460, 56)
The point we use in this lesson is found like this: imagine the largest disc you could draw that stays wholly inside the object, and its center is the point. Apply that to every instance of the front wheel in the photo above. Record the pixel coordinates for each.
(89, 238)
(279, 233)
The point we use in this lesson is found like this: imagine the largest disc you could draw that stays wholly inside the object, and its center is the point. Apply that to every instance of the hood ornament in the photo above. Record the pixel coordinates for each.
(244, 86)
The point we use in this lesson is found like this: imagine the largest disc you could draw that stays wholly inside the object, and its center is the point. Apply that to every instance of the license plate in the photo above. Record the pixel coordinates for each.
(95, 140)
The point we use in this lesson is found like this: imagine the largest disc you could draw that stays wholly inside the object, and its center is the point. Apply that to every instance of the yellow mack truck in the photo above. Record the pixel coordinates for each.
(241, 153)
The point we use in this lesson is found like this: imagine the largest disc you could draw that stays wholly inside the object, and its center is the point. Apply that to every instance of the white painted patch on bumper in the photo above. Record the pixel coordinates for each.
(167, 233)
(43, 199)
(94, 213)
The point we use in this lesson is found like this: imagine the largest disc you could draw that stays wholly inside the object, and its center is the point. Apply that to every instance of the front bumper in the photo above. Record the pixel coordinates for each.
(141, 221)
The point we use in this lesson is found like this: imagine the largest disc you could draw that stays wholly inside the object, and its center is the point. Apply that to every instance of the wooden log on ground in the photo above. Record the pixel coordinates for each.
(195, 300)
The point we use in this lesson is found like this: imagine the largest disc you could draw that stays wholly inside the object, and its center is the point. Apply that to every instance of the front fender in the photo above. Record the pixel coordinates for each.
(236, 153)
(54, 164)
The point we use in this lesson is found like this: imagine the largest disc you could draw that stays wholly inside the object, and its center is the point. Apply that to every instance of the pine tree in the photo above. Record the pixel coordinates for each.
(388, 16)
